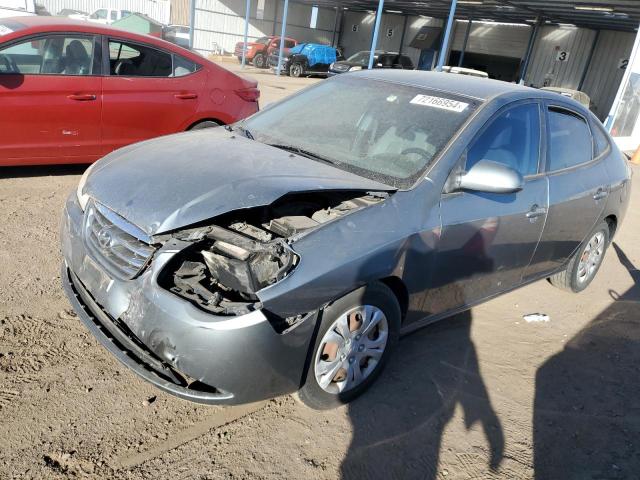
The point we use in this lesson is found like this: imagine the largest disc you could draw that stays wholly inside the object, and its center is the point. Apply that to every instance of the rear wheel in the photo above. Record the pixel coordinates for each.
(205, 124)
(259, 61)
(585, 263)
(353, 344)
(296, 70)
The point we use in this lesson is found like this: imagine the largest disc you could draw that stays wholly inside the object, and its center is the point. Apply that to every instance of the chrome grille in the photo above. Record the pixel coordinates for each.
(116, 244)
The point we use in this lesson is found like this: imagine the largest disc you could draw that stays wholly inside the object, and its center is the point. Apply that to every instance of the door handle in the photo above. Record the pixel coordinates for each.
(82, 97)
(536, 212)
(600, 194)
(186, 96)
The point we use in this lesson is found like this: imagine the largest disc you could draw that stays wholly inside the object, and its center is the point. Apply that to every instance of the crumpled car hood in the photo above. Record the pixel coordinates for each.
(178, 180)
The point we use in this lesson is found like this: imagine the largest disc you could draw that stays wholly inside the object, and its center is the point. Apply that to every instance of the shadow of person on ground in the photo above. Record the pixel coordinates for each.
(587, 402)
(398, 424)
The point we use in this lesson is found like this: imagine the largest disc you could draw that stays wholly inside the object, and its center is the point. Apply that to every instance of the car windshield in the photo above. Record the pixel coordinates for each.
(361, 58)
(383, 131)
(263, 40)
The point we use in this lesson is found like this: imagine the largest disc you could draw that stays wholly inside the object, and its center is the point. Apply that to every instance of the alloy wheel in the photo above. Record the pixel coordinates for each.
(591, 257)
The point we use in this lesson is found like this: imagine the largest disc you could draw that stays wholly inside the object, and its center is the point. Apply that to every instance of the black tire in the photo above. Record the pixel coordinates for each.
(205, 124)
(570, 279)
(296, 70)
(259, 61)
(375, 294)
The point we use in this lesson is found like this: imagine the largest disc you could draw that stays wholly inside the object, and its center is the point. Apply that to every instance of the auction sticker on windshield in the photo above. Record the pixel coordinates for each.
(439, 102)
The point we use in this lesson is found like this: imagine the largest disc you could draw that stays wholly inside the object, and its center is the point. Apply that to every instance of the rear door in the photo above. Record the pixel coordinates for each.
(147, 93)
(50, 86)
(578, 188)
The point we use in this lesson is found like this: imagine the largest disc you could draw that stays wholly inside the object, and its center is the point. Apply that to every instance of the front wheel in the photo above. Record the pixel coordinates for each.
(354, 341)
(296, 70)
(259, 61)
(585, 263)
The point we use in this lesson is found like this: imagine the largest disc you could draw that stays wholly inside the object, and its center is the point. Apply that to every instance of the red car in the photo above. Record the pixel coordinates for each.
(259, 51)
(73, 91)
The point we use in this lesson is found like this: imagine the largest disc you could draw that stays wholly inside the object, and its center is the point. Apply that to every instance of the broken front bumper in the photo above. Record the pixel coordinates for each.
(170, 342)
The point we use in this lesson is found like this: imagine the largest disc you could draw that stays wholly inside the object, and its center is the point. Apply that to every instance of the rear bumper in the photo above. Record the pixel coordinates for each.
(171, 343)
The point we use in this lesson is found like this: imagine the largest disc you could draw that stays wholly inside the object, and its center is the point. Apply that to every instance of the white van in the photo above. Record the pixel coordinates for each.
(17, 8)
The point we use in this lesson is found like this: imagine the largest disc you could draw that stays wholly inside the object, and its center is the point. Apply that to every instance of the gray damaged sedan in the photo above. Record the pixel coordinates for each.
(291, 250)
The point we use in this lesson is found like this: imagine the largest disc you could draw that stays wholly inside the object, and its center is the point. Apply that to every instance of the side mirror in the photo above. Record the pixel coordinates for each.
(493, 177)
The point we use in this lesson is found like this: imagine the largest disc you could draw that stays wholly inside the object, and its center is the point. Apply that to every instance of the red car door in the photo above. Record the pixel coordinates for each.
(146, 94)
(50, 92)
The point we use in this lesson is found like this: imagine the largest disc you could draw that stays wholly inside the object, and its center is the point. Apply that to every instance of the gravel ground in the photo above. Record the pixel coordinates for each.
(482, 395)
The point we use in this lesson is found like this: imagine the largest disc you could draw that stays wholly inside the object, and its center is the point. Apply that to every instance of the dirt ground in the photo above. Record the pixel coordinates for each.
(484, 395)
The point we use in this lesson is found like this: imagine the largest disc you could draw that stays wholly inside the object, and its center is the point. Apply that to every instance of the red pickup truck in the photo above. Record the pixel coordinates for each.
(260, 49)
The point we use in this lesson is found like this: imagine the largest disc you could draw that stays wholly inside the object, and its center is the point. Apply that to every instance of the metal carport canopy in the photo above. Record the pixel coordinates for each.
(595, 14)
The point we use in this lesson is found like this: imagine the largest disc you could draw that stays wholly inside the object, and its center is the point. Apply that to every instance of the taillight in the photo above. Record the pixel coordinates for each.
(249, 94)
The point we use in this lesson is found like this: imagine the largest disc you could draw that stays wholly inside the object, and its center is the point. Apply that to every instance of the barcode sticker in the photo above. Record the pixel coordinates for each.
(439, 102)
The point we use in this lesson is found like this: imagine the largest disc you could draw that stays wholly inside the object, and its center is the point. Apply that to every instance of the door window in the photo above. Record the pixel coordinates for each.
(289, 43)
(52, 55)
(512, 138)
(114, 15)
(135, 60)
(601, 140)
(570, 140)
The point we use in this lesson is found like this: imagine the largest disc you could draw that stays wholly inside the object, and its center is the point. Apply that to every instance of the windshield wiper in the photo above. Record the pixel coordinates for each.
(304, 153)
(243, 130)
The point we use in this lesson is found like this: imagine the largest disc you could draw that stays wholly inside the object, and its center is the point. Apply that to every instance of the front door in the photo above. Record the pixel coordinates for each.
(50, 96)
(144, 97)
(488, 239)
(578, 188)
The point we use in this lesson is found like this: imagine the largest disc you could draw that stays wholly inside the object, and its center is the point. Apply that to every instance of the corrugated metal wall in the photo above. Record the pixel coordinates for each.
(546, 69)
(355, 41)
(606, 69)
(157, 9)
(505, 40)
(221, 22)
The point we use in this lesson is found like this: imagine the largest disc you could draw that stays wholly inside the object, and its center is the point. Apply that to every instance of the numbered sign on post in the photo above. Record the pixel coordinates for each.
(622, 63)
(562, 56)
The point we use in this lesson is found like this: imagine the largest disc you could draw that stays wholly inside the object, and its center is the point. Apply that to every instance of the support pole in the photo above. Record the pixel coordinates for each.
(464, 43)
(527, 56)
(374, 41)
(447, 34)
(335, 27)
(246, 33)
(586, 65)
(404, 29)
(282, 34)
(192, 22)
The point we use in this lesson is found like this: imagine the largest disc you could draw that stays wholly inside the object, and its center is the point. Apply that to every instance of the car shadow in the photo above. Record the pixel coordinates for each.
(398, 425)
(42, 170)
(587, 402)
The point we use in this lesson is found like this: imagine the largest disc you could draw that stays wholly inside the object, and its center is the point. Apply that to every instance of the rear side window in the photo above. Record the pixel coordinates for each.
(570, 140)
(512, 139)
(601, 140)
(134, 60)
(183, 66)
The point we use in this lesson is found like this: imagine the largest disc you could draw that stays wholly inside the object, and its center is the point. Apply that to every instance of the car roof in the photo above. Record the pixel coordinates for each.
(44, 24)
(482, 89)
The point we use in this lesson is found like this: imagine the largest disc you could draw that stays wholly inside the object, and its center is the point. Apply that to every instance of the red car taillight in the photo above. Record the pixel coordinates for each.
(249, 94)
